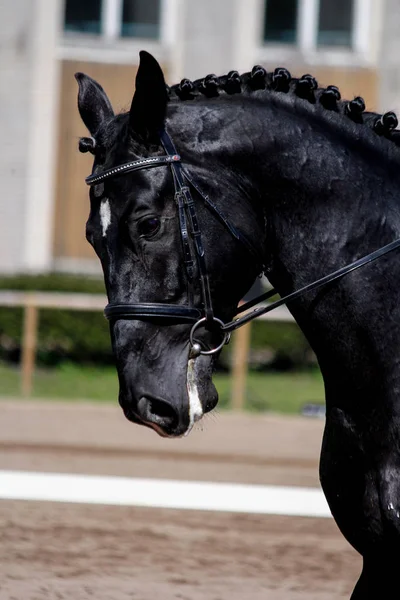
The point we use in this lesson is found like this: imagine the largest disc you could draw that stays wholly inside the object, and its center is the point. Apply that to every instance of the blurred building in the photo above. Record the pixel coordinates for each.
(44, 202)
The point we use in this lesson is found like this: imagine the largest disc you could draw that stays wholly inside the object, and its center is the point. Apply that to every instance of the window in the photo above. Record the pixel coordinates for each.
(113, 18)
(82, 16)
(310, 23)
(280, 21)
(140, 18)
(335, 23)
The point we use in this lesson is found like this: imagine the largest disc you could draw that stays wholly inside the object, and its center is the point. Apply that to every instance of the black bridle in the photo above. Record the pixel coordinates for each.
(191, 236)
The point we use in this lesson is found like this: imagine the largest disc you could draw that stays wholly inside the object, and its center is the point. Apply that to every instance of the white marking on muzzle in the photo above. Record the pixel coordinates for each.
(195, 407)
(105, 215)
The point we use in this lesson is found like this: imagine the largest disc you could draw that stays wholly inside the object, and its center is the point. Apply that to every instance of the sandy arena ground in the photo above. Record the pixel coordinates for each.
(82, 552)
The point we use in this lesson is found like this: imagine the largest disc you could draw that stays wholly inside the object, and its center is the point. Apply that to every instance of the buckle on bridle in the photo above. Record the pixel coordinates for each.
(196, 346)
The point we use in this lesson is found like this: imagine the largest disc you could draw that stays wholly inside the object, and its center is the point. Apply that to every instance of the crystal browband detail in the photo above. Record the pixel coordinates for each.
(135, 165)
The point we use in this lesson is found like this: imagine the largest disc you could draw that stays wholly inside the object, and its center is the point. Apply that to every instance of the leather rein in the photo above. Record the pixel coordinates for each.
(191, 234)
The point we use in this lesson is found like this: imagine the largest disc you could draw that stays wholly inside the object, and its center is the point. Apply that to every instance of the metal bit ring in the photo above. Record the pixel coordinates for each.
(196, 344)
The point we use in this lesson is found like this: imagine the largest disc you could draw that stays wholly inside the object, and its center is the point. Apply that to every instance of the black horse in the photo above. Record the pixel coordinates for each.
(269, 174)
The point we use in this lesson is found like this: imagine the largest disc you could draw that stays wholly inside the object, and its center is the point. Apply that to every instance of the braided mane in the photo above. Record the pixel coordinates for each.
(280, 80)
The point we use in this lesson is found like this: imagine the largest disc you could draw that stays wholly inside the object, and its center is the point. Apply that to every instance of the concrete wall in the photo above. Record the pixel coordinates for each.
(219, 35)
(389, 59)
(15, 19)
(207, 37)
(28, 101)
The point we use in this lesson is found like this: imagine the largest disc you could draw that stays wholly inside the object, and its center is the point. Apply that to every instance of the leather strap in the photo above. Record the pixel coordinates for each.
(361, 262)
(185, 201)
(151, 310)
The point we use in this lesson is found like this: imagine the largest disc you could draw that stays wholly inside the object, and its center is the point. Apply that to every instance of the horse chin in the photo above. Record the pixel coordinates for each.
(135, 419)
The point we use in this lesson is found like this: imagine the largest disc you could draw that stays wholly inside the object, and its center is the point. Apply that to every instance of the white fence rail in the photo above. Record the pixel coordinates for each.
(32, 302)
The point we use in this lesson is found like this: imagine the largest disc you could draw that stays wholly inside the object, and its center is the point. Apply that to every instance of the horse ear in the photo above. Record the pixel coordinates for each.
(149, 102)
(93, 103)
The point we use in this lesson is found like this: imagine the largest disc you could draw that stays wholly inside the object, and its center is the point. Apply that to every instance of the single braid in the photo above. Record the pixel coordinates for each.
(87, 144)
(233, 83)
(305, 88)
(355, 109)
(258, 78)
(385, 124)
(185, 89)
(330, 97)
(209, 86)
(281, 79)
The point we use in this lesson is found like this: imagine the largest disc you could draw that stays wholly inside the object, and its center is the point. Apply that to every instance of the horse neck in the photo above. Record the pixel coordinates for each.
(330, 192)
(330, 195)
(335, 201)
(305, 168)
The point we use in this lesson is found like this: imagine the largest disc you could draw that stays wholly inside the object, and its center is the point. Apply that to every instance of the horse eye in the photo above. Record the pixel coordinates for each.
(149, 227)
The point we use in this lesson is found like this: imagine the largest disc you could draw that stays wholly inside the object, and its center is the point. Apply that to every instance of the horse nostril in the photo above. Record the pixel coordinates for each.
(161, 409)
(158, 412)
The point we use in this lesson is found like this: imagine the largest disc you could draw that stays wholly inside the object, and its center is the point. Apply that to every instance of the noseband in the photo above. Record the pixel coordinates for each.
(191, 235)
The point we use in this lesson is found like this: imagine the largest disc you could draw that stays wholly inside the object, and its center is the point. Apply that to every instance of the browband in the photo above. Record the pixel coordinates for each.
(135, 165)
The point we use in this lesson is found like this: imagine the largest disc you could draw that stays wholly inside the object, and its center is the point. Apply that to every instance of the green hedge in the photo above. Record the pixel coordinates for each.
(80, 336)
(283, 345)
(83, 336)
(274, 347)
(54, 282)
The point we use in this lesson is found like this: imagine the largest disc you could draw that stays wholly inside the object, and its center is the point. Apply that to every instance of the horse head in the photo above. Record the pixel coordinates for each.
(159, 244)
